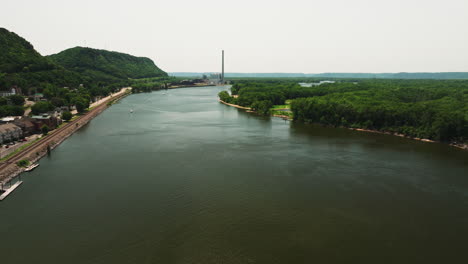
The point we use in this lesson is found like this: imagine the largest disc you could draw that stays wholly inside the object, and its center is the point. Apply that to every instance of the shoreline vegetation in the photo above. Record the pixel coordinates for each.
(432, 114)
(289, 118)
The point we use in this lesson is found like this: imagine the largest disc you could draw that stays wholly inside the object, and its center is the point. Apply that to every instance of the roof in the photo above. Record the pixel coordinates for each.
(24, 122)
(40, 117)
(8, 127)
(8, 119)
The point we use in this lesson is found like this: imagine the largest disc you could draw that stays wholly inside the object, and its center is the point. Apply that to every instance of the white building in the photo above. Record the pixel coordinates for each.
(8, 93)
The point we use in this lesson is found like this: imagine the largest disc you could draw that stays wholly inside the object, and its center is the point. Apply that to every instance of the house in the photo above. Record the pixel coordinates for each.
(10, 132)
(64, 109)
(46, 119)
(27, 125)
(8, 93)
(38, 97)
(7, 119)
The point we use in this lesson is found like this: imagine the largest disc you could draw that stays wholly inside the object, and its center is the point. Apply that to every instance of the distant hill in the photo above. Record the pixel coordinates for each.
(401, 75)
(108, 65)
(21, 65)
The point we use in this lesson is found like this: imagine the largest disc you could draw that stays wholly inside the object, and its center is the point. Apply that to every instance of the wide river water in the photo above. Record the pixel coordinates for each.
(185, 179)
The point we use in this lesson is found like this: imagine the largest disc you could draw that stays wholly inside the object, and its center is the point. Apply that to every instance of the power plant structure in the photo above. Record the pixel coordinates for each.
(222, 70)
(216, 78)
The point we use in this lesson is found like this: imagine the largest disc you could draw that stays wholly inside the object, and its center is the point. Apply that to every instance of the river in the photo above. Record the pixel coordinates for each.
(185, 179)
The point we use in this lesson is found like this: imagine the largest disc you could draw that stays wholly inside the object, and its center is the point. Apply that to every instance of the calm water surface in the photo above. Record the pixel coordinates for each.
(185, 179)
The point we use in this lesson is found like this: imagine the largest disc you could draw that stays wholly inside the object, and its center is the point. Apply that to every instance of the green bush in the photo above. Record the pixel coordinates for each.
(23, 163)
(67, 116)
(45, 129)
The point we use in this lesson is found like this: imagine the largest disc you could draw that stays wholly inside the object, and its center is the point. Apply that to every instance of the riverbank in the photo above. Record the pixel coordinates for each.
(190, 85)
(456, 145)
(37, 150)
(233, 105)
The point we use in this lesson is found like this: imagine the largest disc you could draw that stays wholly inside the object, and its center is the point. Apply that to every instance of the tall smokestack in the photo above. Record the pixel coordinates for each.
(222, 73)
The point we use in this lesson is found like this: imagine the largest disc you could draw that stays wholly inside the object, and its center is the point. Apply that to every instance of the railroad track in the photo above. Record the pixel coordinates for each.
(56, 135)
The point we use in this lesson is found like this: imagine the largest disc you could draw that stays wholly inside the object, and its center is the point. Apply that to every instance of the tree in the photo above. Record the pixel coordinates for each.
(45, 129)
(57, 101)
(224, 96)
(17, 99)
(81, 105)
(67, 116)
(42, 107)
(262, 107)
(3, 101)
(23, 163)
(11, 110)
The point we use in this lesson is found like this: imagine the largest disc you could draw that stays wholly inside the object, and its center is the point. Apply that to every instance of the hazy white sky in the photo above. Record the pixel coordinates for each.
(309, 36)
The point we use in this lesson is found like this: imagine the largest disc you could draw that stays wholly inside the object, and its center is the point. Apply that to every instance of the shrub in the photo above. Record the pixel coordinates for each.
(67, 116)
(23, 163)
(45, 129)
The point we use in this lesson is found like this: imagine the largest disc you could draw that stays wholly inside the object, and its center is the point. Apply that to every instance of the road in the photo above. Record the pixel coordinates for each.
(12, 148)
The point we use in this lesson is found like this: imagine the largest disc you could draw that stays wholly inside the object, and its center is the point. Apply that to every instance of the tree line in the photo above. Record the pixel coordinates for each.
(433, 109)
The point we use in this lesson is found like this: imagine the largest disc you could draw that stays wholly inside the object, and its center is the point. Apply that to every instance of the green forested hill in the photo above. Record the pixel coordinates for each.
(73, 77)
(21, 65)
(18, 55)
(99, 71)
(107, 65)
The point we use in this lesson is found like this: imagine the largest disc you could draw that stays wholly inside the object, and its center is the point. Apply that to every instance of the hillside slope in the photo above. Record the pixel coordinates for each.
(23, 66)
(18, 55)
(103, 64)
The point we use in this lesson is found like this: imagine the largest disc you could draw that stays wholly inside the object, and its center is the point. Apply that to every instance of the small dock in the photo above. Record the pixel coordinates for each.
(10, 190)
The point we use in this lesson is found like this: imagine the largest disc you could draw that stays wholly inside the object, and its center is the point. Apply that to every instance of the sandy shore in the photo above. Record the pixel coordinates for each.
(250, 110)
(233, 105)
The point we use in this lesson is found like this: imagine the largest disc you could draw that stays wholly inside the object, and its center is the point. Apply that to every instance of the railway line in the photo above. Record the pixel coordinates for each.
(55, 137)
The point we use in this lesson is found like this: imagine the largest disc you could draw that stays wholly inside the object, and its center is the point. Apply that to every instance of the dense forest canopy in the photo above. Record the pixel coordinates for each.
(107, 65)
(18, 55)
(433, 109)
(22, 66)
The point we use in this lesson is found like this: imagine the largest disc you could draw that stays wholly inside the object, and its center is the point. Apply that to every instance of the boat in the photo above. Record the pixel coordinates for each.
(131, 110)
(31, 167)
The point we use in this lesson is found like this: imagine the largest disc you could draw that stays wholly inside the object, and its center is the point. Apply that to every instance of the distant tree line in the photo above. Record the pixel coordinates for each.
(433, 109)
(147, 85)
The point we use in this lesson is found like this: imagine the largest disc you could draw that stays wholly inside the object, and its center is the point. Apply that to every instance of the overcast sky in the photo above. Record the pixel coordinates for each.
(310, 36)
